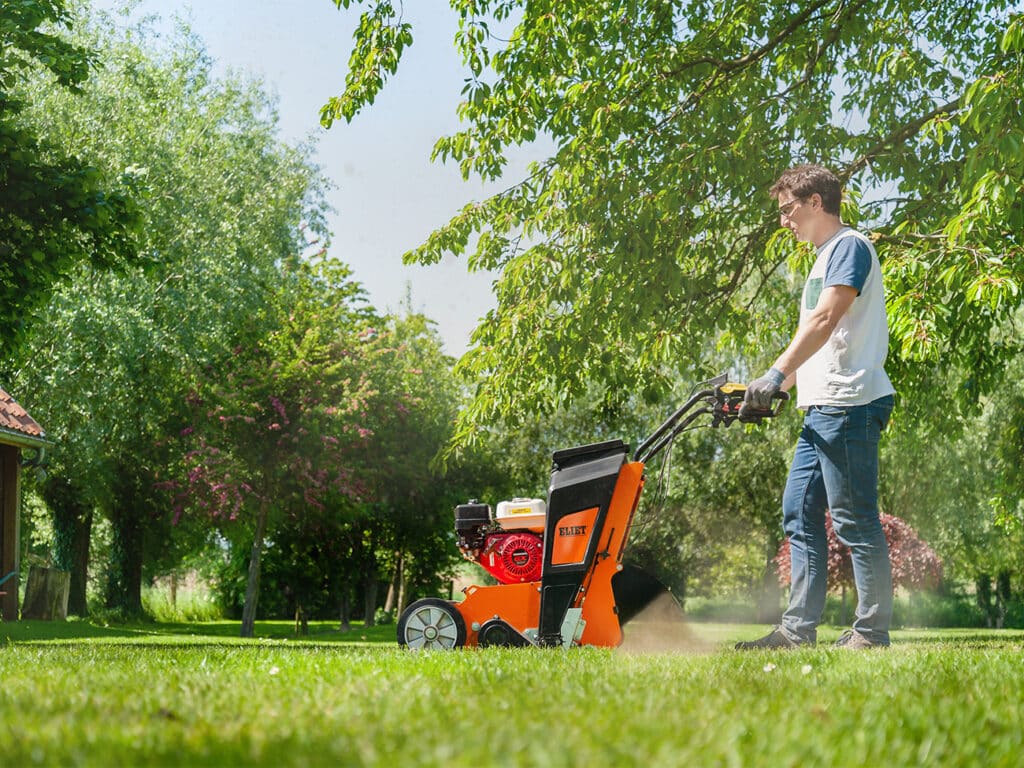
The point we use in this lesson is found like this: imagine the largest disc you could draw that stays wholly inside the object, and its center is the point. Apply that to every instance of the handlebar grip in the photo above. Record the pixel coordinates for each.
(749, 415)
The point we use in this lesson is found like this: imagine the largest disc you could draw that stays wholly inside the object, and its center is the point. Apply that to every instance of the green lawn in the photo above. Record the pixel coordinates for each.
(195, 695)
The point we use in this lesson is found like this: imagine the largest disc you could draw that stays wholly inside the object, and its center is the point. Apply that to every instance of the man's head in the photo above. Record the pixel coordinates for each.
(808, 197)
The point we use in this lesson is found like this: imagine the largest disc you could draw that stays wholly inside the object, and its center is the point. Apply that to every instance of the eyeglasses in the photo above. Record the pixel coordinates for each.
(785, 211)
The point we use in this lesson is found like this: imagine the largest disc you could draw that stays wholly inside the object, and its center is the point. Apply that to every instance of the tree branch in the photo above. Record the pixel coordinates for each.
(756, 55)
(898, 136)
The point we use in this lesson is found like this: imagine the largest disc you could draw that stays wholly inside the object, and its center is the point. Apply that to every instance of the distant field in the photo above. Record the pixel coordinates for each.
(196, 695)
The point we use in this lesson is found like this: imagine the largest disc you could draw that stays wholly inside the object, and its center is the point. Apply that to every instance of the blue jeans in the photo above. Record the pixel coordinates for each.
(835, 468)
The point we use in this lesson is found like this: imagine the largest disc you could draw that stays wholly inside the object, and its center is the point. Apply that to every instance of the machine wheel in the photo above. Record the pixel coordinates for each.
(431, 623)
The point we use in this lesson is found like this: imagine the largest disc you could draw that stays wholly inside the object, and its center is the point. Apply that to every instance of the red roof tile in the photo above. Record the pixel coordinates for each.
(14, 418)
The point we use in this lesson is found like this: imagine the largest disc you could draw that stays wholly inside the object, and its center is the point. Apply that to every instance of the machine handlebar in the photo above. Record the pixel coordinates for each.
(732, 406)
(723, 400)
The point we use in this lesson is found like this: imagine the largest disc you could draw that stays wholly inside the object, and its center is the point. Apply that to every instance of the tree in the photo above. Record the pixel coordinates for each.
(416, 399)
(58, 211)
(394, 525)
(646, 228)
(228, 211)
(279, 433)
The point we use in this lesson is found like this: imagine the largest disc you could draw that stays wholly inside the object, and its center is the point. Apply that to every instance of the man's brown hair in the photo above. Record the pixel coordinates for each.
(805, 180)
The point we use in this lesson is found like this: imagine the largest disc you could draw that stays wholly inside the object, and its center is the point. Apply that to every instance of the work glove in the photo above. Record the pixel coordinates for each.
(761, 391)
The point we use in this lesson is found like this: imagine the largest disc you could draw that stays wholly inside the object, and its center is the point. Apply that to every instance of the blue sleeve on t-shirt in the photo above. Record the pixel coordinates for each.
(848, 264)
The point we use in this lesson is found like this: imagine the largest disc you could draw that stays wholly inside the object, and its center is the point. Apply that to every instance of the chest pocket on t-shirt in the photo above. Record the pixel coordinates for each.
(812, 292)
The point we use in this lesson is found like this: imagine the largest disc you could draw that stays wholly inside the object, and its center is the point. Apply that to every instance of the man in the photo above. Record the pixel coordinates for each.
(836, 361)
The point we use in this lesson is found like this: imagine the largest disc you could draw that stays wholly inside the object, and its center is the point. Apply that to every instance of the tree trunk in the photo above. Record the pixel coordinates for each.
(403, 585)
(370, 599)
(983, 594)
(1002, 597)
(345, 610)
(78, 603)
(252, 588)
(301, 621)
(72, 533)
(124, 587)
(393, 585)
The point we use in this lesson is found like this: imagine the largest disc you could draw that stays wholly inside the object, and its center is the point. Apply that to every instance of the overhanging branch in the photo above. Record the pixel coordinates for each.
(899, 136)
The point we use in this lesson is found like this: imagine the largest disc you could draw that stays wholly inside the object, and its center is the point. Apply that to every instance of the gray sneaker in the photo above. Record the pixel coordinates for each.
(853, 640)
(776, 639)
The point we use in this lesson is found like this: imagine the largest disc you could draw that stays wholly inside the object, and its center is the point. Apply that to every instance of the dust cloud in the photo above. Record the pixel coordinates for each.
(661, 627)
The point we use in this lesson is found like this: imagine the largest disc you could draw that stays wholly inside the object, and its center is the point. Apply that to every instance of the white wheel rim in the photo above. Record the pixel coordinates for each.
(430, 627)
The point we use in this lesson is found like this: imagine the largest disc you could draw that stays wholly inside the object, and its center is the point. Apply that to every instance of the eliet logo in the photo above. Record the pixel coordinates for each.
(572, 530)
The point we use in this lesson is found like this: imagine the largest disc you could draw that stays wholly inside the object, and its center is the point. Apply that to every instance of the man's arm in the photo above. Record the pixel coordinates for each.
(834, 302)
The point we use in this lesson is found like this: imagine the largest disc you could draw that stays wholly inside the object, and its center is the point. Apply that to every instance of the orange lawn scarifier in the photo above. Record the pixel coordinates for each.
(563, 582)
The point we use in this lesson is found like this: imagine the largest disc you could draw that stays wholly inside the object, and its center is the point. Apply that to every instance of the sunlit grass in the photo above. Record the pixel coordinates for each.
(193, 604)
(196, 695)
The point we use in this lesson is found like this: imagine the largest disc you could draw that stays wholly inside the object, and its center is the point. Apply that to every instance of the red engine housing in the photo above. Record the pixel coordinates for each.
(513, 557)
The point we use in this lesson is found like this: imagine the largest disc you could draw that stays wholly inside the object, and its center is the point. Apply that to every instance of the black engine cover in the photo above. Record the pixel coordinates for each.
(581, 478)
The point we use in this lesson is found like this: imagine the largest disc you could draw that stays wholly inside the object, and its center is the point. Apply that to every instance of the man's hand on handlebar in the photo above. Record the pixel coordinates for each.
(760, 393)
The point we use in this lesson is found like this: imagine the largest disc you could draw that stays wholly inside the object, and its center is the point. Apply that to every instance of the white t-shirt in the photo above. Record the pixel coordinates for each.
(849, 367)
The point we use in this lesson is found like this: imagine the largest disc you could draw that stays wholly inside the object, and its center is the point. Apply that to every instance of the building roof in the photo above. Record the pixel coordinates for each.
(16, 426)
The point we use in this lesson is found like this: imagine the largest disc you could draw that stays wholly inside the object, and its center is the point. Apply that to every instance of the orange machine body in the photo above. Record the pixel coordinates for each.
(575, 540)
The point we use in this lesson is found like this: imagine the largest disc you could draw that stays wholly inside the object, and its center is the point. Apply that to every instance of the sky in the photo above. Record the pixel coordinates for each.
(388, 196)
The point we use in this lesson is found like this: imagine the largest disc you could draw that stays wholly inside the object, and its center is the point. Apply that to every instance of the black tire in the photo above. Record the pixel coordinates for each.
(431, 624)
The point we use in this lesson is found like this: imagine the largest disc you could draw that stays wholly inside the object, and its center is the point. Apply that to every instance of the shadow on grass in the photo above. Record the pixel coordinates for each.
(184, 633)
